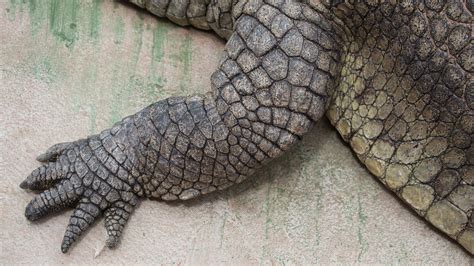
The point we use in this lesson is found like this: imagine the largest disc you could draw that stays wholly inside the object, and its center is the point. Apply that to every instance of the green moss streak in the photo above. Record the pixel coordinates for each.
(362, 221)
(156, 80)
(92, 119)
(137, 38)
(15, 9)
(185, 56)
(120, 89)
(43, 70)
(159, 36)
(88, 89)
(182, 59)
(134, 81)
(63, 20)
(32, 6)
(95, 16)
(11, 9)
(66, 21)
(37, 12)
(119, 30)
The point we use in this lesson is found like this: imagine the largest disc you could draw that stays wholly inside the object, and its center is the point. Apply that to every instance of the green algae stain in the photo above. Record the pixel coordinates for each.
(37, 13)
(185, 56)
(152, 86)
(158, 48)
(67, 20)
(120, 92)
(43, 70)
(95, 15)
(12, 9)
(15, 9)
(119, 30)
(137, 39)
(32, 6)
(182, 59)
(126, 80)
(156, 81)
(87, 89)
(362, 221)
(63, 20)
(92, 119)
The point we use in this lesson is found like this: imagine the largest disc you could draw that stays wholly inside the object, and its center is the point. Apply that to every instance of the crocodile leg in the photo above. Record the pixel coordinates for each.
(269, 89)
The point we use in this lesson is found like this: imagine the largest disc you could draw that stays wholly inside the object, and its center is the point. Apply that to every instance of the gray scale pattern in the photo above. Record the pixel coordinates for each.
(395, 79)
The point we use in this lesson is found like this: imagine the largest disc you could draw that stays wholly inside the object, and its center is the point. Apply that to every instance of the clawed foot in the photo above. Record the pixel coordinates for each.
(86, 175)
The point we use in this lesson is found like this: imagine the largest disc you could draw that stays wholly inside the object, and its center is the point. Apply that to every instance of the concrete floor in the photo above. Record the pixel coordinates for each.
(71, 68)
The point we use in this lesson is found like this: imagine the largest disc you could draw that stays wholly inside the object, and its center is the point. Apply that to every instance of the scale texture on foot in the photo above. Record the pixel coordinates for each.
(395, 79)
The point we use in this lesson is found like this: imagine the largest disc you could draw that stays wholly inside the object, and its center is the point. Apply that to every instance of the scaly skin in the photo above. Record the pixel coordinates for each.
(395, 79)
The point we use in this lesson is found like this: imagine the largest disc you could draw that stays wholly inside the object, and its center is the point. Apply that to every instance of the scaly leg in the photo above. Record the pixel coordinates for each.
(268, 91)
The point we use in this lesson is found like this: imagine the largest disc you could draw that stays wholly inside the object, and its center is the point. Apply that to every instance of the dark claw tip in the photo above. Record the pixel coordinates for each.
(43, 157)
(31, 217)
(30, 214)
(66, 244)
(24, 185)
(64, 249)
(112, 242)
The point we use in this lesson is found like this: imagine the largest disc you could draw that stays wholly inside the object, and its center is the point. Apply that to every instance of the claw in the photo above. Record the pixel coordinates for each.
(115, 219)
(68, 180)
(58, 197)
(24, 185)
(112, 241)
(32, 212)
(53, 152)
(82, 218)
(44, 157)
(45, 176)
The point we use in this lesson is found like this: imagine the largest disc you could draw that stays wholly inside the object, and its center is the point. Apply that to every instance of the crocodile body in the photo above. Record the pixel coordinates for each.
(395, 80)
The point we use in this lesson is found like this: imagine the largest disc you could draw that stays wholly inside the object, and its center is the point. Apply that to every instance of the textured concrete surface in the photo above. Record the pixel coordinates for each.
(71, 68)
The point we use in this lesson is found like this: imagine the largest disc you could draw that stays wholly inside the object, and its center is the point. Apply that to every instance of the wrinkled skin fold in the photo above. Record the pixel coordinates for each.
(395, 79)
